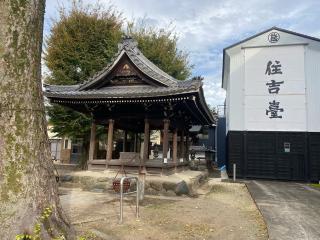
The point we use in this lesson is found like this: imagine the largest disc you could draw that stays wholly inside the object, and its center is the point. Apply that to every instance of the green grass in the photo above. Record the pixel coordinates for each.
(317, 185)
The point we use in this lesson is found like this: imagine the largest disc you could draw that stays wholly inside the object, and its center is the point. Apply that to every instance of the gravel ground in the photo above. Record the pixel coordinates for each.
(220, 211)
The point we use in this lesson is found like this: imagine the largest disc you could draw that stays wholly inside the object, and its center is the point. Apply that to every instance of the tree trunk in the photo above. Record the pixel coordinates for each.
(29, 202)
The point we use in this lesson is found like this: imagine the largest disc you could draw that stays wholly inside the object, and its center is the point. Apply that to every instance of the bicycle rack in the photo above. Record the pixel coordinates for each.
(122, 193)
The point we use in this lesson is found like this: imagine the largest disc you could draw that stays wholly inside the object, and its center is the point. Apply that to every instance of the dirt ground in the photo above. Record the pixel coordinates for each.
(220, 211)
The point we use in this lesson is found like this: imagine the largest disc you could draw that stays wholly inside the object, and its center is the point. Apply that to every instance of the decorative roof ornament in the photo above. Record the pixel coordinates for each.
(127, 43)
(197, 78)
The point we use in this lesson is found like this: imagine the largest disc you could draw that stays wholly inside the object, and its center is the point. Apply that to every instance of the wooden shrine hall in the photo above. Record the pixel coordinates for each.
(134, 95)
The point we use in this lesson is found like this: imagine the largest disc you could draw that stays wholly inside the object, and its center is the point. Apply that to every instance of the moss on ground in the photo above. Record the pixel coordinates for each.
(317, 185)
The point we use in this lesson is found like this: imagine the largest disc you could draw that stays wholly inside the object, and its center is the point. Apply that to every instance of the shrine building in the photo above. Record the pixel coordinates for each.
(272, 107)
(134, 95)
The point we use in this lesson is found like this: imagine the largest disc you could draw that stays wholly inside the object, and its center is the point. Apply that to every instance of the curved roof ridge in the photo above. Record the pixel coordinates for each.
(97, 76)
(155, 67)
(166, 78)
(129, 47)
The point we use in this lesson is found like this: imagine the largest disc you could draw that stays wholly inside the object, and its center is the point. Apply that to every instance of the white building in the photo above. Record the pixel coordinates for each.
(272, 82)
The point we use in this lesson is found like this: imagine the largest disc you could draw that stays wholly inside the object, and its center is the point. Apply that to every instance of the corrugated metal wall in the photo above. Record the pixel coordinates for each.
(263, 155)
(314, 156)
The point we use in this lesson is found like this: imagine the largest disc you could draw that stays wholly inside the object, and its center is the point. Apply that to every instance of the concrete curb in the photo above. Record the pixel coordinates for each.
(265, 222)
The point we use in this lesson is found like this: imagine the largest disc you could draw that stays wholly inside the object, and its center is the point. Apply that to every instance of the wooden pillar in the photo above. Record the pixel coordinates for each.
(125, 135)
(165, 141)
(146, 141)
(96, 149)
(110, 141)
(175, 147)
(182, 145)
(187, 145)
(92, 143)
(139, 142)
(135, 144)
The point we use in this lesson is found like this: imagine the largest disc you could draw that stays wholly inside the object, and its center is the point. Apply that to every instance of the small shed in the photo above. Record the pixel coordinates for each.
(272, 108)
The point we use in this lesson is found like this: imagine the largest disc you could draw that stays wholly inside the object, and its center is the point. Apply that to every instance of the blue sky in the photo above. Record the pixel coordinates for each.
(205, 27)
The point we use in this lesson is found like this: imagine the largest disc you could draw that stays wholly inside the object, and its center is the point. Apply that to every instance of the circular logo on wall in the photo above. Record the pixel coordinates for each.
(273, 37)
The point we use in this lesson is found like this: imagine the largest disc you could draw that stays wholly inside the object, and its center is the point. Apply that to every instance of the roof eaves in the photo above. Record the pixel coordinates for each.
(150, 69)
(258, 34)
(297, 34)
(103, 72)
(223, 59)
(93, 95)
(205, 105)
(156, 68)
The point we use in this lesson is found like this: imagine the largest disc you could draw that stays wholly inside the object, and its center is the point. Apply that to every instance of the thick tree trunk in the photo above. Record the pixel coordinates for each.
(27, 183)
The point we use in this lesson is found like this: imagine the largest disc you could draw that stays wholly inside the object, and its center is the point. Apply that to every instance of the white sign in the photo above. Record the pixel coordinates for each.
(274, 93)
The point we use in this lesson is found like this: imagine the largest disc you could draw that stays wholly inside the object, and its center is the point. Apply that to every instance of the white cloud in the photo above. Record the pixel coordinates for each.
(213, 92)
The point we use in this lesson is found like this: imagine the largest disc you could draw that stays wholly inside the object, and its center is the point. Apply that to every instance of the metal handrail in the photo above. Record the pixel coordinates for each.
(121, 197)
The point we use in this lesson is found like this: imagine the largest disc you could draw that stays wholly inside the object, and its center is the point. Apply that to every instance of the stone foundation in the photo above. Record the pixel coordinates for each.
(176, 184)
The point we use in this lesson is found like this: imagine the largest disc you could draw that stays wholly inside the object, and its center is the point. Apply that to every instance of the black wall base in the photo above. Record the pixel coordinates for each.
(274, 155)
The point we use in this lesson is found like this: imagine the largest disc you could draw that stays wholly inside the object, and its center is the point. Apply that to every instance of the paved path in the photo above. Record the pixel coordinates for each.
(291, 210)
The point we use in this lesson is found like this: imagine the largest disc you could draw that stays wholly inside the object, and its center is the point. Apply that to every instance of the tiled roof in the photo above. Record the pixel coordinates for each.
(188, 86)
(162, 85)
(129, 47)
